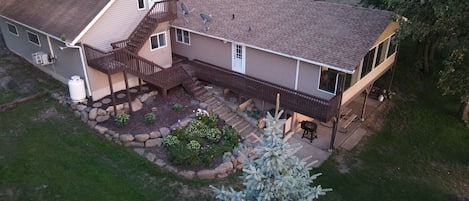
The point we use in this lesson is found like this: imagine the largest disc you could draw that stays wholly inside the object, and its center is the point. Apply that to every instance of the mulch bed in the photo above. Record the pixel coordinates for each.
(161, 107)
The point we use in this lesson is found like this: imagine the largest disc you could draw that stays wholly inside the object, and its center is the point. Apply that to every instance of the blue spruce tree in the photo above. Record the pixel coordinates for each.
(275, 173)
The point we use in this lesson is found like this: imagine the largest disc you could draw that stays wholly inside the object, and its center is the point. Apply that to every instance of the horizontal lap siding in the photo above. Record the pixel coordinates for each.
(206, 49)
(162, 56)
(68, 61)
(308, 80)
(116, 24)
(273, 68)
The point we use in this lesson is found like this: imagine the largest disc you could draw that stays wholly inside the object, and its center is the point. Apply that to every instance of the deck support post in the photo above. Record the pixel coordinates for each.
(367, 92)
(393, 71)
(335, 121)
(129, 99)
(112, 93)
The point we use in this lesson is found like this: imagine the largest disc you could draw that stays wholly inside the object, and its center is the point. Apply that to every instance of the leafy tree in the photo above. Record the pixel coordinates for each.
(437, 25)
(276, 174)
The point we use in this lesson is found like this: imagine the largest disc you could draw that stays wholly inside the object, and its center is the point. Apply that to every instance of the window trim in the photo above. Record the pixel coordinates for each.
(182, 34)
(16, 29)
(159, 43)
(335, 85)
(144, 5)
(37, 36)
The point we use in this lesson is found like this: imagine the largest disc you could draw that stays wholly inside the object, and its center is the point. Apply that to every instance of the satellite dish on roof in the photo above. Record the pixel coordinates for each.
(206, 18)
(185, 11)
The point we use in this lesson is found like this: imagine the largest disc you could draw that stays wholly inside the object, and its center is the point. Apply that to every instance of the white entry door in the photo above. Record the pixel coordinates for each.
(159, 8)
(239, 58)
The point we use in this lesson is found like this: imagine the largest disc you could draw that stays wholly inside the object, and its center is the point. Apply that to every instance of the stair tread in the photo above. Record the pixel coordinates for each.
(234, 121)
(241, 126)
(222, 110)
(228, 116)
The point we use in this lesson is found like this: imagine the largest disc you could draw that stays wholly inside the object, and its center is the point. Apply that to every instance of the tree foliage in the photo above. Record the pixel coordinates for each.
(276, 174)
(441, 25)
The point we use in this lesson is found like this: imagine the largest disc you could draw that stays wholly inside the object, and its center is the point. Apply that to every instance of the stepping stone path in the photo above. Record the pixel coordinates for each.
(133, 91)
(106, 101)
(121, 96)
(97, 104)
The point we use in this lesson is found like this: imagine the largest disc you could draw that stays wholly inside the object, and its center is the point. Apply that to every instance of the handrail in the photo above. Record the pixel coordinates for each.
(168, 12)
(315, 107)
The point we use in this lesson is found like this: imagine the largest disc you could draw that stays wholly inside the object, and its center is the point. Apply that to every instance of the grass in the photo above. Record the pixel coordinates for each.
(421, 154)
(42, 161)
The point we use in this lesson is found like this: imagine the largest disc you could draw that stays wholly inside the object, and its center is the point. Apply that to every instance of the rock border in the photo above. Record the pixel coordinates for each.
(232, 161)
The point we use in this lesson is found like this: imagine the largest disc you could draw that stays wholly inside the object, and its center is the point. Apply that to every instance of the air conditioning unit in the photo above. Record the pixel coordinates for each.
(42, 58)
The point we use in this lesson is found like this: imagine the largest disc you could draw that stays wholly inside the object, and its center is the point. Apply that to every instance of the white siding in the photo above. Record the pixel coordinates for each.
(116, 24)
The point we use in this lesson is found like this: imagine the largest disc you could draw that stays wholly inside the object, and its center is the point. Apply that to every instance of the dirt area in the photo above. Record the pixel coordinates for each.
(161, 107)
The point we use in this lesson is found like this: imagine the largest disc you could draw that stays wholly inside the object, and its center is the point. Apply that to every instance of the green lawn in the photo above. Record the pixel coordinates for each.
(47, 154)
(421, 154)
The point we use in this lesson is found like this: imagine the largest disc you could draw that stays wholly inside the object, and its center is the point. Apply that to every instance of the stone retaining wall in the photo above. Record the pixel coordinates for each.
(142, 141)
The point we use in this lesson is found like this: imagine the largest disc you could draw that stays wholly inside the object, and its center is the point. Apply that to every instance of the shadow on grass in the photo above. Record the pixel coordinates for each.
(48, 154)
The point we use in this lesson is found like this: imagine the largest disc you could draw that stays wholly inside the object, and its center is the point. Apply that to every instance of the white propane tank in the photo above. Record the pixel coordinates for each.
(76, 87)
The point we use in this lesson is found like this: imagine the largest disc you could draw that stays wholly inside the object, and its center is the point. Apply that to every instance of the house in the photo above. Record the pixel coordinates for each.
(317, 55)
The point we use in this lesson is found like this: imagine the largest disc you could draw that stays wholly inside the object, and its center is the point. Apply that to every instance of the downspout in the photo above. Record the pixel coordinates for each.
(84, 66)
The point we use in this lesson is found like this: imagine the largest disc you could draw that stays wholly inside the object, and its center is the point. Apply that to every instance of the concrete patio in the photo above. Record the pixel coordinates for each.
(345, 139)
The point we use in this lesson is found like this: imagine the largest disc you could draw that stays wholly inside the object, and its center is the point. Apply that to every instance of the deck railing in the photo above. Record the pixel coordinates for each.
(320, 109)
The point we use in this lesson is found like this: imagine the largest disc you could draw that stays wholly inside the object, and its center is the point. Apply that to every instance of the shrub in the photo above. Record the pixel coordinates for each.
(149, 118)
(176, 107)
(121, 119)
(213, 135)
(210, 120)
(193, 145)
(231, 136)
(180, 155)
(196, 129)
(171, 140)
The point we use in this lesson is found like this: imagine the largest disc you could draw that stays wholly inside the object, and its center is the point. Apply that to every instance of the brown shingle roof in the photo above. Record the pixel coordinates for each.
(333, 34)
(55, 17)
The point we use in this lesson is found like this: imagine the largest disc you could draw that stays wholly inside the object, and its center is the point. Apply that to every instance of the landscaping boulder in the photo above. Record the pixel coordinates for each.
(139, 151)
(155, 134)
(142, 137)
(84, 116)
(134, 144)
(100, 129)
(93, 114)
(207, 174)
(154, 142)
(159, 163)
(104, 118)
(165, 132)
(126, 138)
(81, 107)
(136, 105)
(150, 156)
(101, 112)
(187, 174)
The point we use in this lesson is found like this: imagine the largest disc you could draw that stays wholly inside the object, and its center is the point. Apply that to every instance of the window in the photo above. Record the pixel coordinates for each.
(183, 36)
(12, 29)
(328, 80)
(34, 38)
(158, 41)
(368, 62)
(141, 4)
(392, 45)
(383, 46)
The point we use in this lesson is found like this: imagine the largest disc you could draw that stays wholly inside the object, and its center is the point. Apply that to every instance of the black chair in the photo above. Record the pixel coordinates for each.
(309, 128)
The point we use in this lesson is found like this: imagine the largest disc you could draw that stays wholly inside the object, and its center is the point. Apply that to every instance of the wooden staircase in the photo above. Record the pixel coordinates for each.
(246, 130)
(159, 12)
